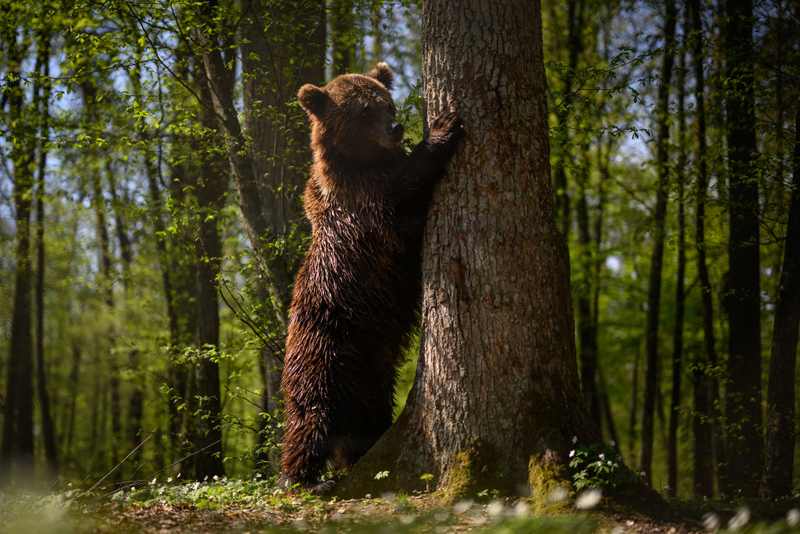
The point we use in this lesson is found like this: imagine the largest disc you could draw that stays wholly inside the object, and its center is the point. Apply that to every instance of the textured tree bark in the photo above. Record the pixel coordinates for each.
(781, 425)
(496, 400)
(743, 394)
(704, 384)
(657, 257)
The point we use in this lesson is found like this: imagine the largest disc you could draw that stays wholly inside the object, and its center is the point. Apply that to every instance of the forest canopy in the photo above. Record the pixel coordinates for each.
(153, 162)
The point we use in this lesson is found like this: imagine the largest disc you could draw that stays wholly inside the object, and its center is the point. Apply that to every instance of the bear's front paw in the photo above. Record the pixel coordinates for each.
(448, 128)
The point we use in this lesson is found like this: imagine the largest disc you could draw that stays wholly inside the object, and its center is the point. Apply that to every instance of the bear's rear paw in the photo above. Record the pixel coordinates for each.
(322, 488)
(289, 484)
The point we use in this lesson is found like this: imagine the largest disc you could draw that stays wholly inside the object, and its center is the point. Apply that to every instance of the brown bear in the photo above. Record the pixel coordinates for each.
(357, 295)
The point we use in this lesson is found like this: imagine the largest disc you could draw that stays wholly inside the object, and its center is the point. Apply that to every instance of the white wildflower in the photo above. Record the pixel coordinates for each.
(739, 520)
(462, 506)
(574, 440)
(522, 508)
(495, 509)
(588, 499)
(711, 522)
(793, 517)
(557, 495)
(571, 453)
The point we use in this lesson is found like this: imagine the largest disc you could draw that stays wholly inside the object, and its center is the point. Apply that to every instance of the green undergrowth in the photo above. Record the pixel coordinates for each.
(744, 516)
(254, 504)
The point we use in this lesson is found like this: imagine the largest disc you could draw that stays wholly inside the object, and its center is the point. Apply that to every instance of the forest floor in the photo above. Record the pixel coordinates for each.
(217, 508)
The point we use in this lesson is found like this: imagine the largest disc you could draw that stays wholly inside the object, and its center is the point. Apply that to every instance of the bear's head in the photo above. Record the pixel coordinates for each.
(353, 116)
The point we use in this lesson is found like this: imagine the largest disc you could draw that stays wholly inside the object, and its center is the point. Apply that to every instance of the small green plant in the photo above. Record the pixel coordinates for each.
(598, 466)
(427, 477)
(381, 474)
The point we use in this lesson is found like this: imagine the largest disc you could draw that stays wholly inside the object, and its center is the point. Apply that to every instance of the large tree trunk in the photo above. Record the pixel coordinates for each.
(743, 394)
(781, 425)
(496, 399)
(657, 258)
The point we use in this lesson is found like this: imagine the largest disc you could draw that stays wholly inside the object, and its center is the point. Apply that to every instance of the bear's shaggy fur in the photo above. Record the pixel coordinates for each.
(357, 295)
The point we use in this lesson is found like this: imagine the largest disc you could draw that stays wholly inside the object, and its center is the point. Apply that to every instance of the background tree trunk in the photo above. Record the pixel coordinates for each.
(17, 447)
(575, 48)
(657, 257)
(275, 64)
(343, 37)
(210, 182)
(781, 426)
(704, 384)
(41, 99)
(743, 394)
(496, 399)
(680, 292)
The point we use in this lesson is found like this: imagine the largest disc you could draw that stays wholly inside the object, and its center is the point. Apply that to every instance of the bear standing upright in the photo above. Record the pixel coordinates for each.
(357, 294)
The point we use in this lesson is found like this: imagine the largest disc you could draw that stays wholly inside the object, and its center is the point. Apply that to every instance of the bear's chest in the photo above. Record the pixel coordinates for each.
(370, 229)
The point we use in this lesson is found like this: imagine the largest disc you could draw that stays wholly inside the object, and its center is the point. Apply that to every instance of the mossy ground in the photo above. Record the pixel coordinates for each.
(257, 506)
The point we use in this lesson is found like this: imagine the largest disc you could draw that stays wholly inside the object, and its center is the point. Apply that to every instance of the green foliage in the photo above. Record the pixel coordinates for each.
(598, 466)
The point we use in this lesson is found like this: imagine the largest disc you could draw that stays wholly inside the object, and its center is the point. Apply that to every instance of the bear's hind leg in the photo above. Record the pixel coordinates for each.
(306, 449)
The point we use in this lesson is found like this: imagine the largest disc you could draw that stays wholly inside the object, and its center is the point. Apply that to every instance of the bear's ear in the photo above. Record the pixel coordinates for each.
(383, 74)
(313, 99)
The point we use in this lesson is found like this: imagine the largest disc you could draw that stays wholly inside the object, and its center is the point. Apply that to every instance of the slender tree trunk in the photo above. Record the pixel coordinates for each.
(604, 176)
(781, 425)
(74, 377)
(575, 48)
(180, 318)
(133, 421)
(210, 191)
(704, 383)
(654, 286)
(343, 36)
(634, 410)
(743, 394)
(680, 294)
(587, 330)
(495, 402)
(42, 95)
(16, 454)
